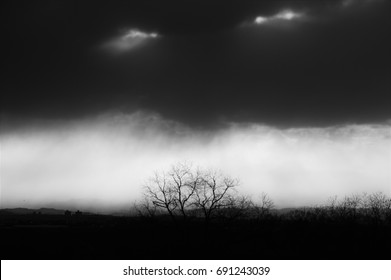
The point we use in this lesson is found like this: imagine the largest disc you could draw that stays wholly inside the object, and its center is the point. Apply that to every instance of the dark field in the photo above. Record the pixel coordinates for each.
(296, 234)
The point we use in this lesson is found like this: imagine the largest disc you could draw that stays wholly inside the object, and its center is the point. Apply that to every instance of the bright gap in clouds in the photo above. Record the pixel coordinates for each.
(134, 33)
(285, 15)
(127, 41)
(290, 15)
(101, 163)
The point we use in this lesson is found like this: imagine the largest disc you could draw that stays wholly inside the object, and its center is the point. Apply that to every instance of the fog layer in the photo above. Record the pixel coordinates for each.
(103, 162)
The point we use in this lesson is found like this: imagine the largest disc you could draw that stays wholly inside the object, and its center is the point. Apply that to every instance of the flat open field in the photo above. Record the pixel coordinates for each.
(110, 237)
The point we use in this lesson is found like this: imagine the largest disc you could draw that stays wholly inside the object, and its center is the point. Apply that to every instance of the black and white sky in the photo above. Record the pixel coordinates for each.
(282, 87)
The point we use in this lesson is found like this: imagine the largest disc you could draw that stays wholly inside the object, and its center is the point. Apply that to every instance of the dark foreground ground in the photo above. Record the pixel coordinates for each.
(108, 237)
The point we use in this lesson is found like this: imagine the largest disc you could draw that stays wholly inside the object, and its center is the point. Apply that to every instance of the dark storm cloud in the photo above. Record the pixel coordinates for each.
(333, 67)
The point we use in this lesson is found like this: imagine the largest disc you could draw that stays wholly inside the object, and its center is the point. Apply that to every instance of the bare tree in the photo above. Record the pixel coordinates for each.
(237, 207)
(174, 190)
(160, 192)
(264, 206)
(213, 192)
(183, 190)
(348, 207)
(183, 184)
(379, 205)
(146, 208)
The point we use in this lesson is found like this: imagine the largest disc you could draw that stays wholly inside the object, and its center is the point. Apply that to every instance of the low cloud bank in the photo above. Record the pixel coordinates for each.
(102, 162)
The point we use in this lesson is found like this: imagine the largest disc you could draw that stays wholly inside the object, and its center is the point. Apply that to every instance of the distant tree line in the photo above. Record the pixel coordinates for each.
(184, 193)
(375, 207)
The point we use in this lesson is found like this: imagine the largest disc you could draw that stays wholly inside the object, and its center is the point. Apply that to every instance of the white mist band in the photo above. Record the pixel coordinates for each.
(218, 269)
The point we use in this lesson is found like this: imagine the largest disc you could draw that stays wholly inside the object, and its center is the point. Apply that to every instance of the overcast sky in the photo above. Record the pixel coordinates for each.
(203, 71)
(199, 62)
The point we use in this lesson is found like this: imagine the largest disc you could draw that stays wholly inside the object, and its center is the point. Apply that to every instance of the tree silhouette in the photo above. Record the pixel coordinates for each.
(183, 185)
(379, 205)
(160, 191)
(213, 192)
(183, 190)
(146, 208)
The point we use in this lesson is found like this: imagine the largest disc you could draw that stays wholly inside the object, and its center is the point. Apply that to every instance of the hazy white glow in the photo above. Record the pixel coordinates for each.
(287, 15)
(290, 15)
(281, 16)
(128, 41)
(260, 20)
(103, 162)
(134, 33)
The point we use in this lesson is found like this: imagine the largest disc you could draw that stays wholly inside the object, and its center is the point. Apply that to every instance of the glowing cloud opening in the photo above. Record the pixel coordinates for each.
(134, 33)
(128, 41)
(260, 20)
(286, 15)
